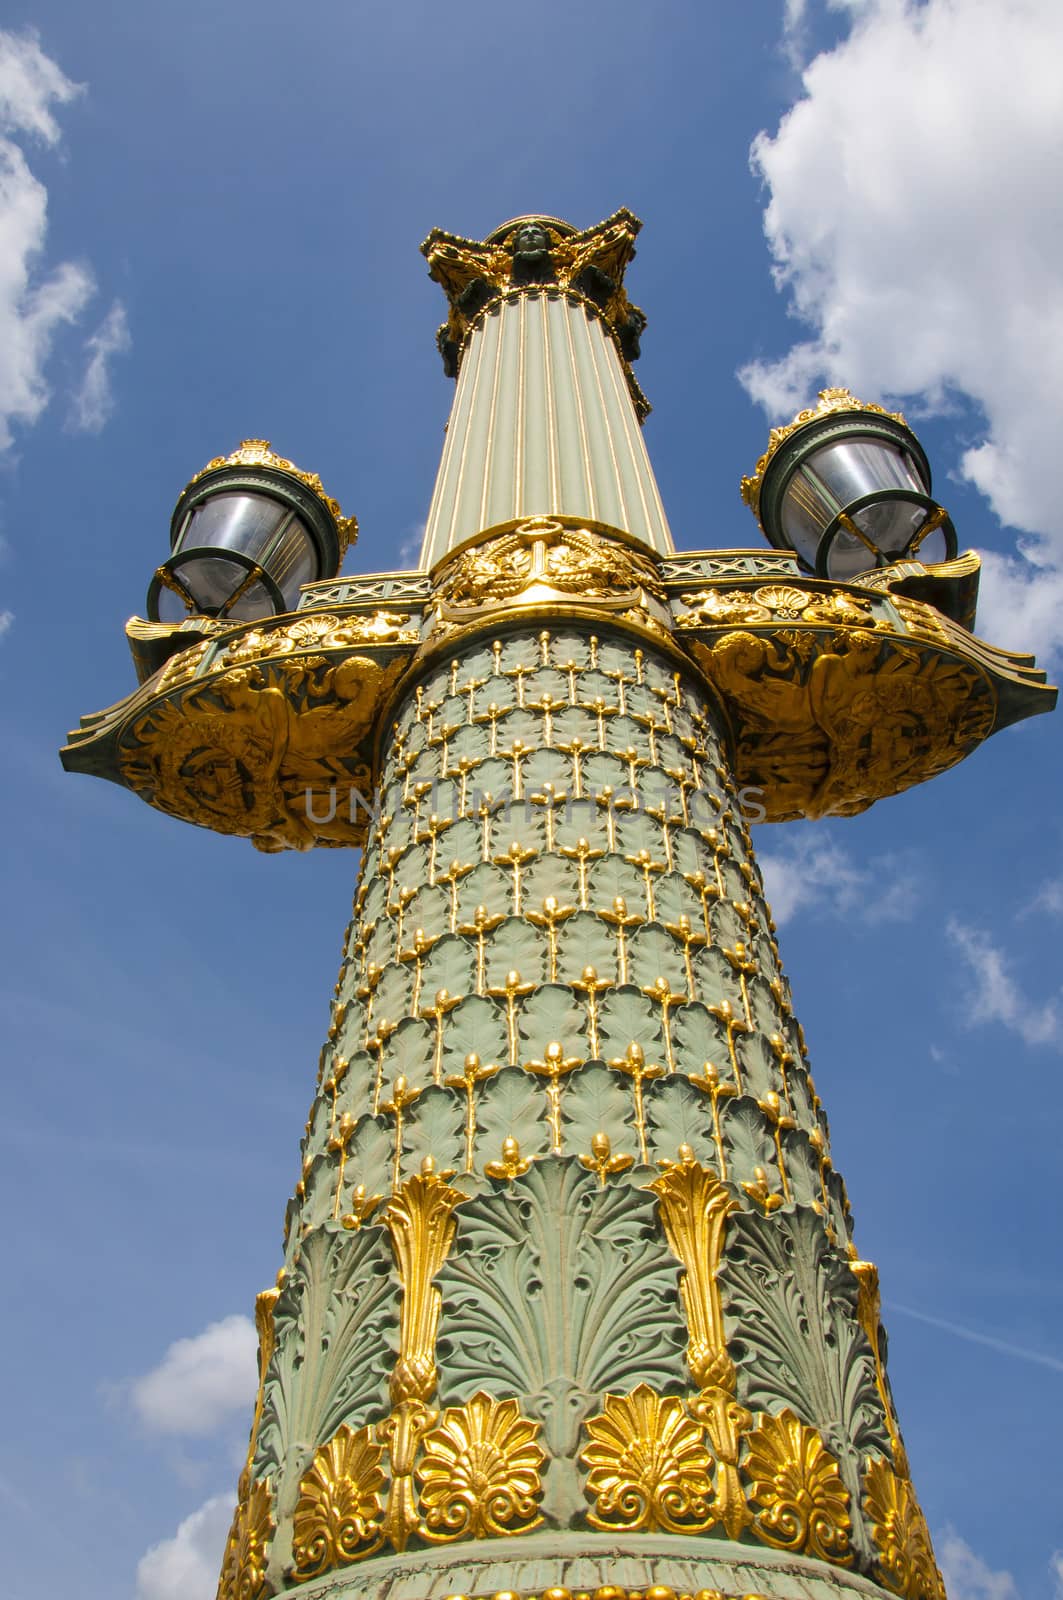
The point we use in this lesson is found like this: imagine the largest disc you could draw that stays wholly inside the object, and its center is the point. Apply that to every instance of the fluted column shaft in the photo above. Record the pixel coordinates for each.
(542, 424)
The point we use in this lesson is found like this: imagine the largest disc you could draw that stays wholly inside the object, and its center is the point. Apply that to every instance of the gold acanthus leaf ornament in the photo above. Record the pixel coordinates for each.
(421, 1222)
(694, 1208)
(243, 1571)
(649, 1467)
(800, 1500)
(479, 1472)
(898, 1527)
(337, 1517)
(257, 453)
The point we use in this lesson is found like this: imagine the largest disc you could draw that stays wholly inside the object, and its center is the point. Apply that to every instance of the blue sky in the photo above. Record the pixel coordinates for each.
(209, 221)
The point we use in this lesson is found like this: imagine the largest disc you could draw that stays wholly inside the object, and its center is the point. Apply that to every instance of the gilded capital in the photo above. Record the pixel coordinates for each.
(535, 254)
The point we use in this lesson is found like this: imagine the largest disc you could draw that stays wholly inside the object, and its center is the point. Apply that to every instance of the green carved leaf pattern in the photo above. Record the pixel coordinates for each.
(789, 1301)
(511, 1106)
(336, 1333)
(476, 1027)
(487, 886)
(677, 1114)
(700, 1041)
(655, 954)
(551, 875)
(551, 1013)
(586, 941)
(557, 1290)
(409, 1054)
(515, 946)
(436, 1128)
(599, 1101)
(716, 981)
(369, 1158)
(759, 1073)
(748, 1141)
(802, 1167)
(628, 1017)
(449, 966)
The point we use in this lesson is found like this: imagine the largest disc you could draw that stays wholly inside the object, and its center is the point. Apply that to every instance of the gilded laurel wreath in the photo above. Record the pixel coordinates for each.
(649, 1466)
(479, 1473)
(337, 1517)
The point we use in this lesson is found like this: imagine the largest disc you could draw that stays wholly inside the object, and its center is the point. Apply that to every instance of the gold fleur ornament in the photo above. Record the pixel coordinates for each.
(243, 1572)
(649, 1466)
(479, 1473)
(337, 1518)
(898, 1527)
(801, 1502)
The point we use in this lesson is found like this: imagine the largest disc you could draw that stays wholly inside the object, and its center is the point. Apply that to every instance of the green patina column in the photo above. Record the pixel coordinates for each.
(570, 1301)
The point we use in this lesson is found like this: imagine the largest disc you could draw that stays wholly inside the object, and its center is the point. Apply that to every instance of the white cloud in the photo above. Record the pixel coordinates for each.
(966, 1575)
(6, 619)
(200, 1381)
(410, 549)
(1020, 601)
(995, 995)
(92, 402)
(811, 872)
(1056, 1568)
(186, 1567)
(1050, 898)
(915, 222)
(32, 307)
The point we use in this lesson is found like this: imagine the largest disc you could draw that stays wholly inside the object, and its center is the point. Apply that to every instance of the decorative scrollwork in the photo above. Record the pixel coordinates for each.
(243, 1571)
(801, 1502)
(545, 557)
(898, 1527)
(320, 630)
(479, 1473)
(337, 1518)
(649, 1465)
(775, 603)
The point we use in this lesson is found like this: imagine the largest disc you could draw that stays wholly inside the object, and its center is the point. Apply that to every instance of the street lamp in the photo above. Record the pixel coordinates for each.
(846, 487)
(246, 534)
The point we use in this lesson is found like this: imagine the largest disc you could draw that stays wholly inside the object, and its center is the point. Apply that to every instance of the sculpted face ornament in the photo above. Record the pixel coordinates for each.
(531, 254)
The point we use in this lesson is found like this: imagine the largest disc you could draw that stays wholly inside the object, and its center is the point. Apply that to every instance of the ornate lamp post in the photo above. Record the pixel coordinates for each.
(846, 487)
(570, 1303)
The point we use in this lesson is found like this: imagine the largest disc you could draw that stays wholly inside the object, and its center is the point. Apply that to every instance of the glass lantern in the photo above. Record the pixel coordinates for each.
(246, 534)
(846, 487)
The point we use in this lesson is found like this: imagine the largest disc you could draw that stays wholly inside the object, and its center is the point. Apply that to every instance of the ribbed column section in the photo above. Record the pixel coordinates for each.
(543, 425)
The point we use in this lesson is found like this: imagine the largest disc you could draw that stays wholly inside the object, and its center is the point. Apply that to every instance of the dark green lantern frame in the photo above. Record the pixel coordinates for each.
(841, 427)
(236, 479)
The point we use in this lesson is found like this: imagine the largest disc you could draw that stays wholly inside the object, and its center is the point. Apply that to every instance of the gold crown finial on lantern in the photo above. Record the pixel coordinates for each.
(257, 453)
(830, 400)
